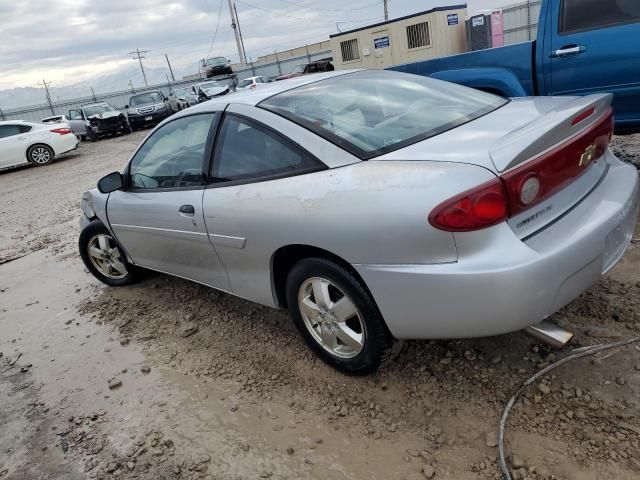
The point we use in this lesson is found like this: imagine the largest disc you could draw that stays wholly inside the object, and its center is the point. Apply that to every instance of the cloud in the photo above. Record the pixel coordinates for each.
(67, 41)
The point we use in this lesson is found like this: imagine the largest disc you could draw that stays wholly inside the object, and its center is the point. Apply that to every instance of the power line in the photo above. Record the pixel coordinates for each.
(140, 54)
(215, 33)
(332, 9)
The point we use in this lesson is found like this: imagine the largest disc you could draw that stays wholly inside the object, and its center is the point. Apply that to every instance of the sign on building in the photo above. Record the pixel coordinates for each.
(452, 19)
(381, 42)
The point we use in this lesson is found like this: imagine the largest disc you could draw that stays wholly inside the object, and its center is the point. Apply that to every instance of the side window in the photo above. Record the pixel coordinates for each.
(173, 156)
(580, 15)
(25, 128)
(248, 151)
(9, 130)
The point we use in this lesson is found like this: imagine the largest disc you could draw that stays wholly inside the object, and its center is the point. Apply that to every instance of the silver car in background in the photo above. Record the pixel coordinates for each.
(373, 205)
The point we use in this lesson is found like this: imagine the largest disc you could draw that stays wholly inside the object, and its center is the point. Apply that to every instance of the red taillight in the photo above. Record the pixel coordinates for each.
(553, 170)
(61, 131)
(480, 207)
(528, 185)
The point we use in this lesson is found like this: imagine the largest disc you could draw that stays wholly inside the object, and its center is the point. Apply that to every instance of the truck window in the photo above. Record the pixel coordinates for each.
(581, 15)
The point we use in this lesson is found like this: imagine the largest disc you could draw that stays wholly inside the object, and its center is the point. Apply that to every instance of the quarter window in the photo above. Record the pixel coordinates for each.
(418, 35)
(247, 151)
(173, 156)
(580, 15)
(350, 50)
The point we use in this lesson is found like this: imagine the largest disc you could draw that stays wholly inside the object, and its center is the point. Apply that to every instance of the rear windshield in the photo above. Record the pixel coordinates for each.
(245, 83)
(369, 113)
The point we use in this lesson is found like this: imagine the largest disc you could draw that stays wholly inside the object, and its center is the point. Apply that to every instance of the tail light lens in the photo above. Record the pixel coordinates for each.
(61, 131)
(524, 187)
(557, 168)
(478, 208)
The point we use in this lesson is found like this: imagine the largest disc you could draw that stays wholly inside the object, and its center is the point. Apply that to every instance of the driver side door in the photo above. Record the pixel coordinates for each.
(158, 218)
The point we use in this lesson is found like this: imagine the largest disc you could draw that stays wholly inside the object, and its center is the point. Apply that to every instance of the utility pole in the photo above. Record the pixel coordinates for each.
(93, 93)
(2, 114)
(46, 87)
(386, 11)
(170, 69)
(131, 86)
(234, 24)
(140, 55)
(244, 53)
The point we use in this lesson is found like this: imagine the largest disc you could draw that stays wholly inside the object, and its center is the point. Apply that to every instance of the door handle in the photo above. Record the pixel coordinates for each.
(22, 138)
(187, 210)
(568, 50)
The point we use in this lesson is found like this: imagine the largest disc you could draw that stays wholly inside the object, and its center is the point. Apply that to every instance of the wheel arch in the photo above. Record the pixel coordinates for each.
(283, 260)
(36, 144)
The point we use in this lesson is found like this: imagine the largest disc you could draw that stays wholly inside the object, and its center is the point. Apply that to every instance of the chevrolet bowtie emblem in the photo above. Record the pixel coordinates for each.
(588, 155)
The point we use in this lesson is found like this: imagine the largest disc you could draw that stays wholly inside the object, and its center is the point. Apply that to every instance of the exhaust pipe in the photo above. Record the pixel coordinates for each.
(549, 333)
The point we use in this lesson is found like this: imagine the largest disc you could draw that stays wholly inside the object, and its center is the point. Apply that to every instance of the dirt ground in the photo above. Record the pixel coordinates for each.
(170, 380)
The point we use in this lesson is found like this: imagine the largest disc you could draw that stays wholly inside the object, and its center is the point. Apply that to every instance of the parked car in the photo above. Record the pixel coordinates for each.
(101, 118)
(318, 66)
(181, 98)
(78, 127)
(251, 82)
(217, 66)
(373, 205)
(583, 47)
(35, 143)
(210, 89)
(148, 108)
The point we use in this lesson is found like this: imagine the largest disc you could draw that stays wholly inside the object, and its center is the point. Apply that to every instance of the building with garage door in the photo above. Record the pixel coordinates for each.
(435, 33)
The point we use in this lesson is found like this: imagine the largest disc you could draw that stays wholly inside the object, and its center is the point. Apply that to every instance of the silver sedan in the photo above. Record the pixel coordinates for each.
(374, 206)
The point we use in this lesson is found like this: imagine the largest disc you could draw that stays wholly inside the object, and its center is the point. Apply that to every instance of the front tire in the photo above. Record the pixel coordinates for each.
(40, 155)
(103, 257)
(337, 317)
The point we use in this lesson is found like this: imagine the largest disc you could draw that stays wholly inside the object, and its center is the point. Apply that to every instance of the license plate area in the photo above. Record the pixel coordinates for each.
(148, 118)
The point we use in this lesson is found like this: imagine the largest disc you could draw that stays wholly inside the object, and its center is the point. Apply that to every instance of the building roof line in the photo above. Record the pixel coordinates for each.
(435, 9)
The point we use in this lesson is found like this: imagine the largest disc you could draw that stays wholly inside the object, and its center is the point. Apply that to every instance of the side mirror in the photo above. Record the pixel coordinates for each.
(110, 183)
(126, 106)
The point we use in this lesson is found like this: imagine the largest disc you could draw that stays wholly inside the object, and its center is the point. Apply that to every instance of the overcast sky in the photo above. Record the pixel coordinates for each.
(67, 41)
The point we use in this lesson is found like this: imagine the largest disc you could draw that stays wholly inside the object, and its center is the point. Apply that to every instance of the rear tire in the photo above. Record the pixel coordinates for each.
(40, 155)
(103, 257)
(337, 317)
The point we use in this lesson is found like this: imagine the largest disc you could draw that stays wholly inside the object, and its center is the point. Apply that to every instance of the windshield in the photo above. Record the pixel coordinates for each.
(245, 83)
(373, 112)
(92, 110)
(145, 99)
(181, 92)
(52, 120)
(217, 61)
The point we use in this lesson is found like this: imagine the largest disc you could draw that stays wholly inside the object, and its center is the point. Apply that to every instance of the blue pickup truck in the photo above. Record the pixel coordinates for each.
(583, 47)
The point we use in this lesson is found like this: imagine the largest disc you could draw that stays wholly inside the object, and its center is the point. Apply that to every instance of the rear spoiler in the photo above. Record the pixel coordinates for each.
(549, 130)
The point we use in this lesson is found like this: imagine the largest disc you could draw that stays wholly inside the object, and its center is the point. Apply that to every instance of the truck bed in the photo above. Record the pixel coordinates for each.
(517, 60)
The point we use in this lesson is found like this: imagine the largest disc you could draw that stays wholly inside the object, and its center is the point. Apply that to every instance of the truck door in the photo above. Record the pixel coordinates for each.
(593, 47)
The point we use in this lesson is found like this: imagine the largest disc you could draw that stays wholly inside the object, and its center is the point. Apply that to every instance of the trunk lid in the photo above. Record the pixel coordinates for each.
(558, 135)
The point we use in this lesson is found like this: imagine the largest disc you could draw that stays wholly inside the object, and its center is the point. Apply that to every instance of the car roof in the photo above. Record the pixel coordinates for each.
(96, 103)
(254, 97)
(17, 122)
(145, 93)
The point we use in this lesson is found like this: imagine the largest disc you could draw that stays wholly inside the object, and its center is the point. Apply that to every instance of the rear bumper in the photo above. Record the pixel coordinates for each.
(499, 283)
(68, 143)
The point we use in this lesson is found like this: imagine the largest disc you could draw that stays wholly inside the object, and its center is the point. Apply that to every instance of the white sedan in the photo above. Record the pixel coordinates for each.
(36, 143)
(251, 82)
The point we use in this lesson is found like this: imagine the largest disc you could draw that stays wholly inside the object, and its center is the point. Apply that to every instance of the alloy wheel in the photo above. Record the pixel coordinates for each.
(105, 256)
(40, 155)
(331, 317)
